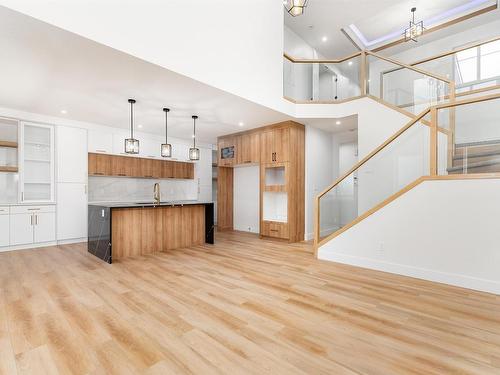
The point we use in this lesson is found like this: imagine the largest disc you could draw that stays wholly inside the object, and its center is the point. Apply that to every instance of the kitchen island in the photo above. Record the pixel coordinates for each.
(120, 230)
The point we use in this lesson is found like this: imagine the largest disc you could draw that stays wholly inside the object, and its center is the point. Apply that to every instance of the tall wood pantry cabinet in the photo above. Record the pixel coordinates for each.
(278, 149)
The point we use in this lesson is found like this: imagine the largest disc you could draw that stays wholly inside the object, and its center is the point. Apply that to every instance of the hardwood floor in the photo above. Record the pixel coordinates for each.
(241, 306)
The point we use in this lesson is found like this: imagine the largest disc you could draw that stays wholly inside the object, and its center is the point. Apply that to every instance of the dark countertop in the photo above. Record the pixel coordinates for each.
(147, 204)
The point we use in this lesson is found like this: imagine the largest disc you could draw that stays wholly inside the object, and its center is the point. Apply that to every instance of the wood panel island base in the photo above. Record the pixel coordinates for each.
(119, 230)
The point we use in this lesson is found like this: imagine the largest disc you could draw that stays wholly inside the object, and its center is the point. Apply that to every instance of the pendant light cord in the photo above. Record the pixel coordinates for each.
(194, 132)
(131, 120)
(166, 127)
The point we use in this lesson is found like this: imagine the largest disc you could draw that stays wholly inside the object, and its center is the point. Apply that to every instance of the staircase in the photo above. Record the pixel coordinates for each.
(476, 157)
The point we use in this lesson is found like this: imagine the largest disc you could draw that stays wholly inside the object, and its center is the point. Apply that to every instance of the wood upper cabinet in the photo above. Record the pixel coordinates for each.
(99, 165)
(126, 166)
(228, 152)
(275, 145)
(248, 148)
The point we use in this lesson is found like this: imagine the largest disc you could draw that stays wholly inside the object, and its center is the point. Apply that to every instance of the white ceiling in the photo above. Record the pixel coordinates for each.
(374, 19)
(45, 69)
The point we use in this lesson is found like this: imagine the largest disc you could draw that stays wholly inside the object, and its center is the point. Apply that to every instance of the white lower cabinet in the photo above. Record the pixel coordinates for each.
(4, 226)
(32, 224)
(71, 211)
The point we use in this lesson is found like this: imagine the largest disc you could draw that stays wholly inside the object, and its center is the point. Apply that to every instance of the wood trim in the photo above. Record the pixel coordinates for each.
(444, 54)
(418, 181)
(439, 27)
(477, 91)
(375, 152)
(8, 144)
(457, 103)
(418, 70)
(321, 61)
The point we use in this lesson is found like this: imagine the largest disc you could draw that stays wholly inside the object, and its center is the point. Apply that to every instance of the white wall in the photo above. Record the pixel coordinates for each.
(233, 45)
(246, 198)
(319, 168)
(443, 231)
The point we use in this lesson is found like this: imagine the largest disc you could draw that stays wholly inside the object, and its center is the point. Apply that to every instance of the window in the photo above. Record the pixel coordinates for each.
(478, 63)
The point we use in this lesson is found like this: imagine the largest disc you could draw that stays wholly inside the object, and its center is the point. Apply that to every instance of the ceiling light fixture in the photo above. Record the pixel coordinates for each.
(194, 153)
(338, 122)
(324, 39)
(166, 148)
(241, 124)
(63, 111)
(350, 63)
(131, 144)
(295, 7)
(416, 28)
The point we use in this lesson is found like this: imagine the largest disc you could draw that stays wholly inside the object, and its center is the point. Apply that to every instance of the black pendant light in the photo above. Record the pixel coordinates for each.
(131, 144)
(194, 153)
(166, 148)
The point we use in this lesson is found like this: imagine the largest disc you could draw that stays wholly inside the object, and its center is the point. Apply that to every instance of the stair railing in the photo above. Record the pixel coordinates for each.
(418, 151)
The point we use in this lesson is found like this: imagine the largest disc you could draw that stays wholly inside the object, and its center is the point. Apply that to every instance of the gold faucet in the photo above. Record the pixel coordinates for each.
(156, 193)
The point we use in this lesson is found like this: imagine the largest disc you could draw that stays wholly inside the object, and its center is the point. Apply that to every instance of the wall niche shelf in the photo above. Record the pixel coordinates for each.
(4, 168)
(8, 144)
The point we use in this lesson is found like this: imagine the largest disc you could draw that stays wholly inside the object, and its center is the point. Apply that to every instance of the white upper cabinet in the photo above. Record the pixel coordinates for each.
(71, 154)
(100, 141)
(149, 148)
(180, 151)
(36, 162)
(203, 167)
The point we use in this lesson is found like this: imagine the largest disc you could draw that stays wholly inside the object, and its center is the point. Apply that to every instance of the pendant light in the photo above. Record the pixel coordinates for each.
(295, 7)
(166, 148)
(194, 153)
(131, 144)
(415, 29)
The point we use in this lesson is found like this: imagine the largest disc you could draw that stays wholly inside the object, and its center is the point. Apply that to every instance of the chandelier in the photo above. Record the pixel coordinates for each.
(295, 7)
(415, 30)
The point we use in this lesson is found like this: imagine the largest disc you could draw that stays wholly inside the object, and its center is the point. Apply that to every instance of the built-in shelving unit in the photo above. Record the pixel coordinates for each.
(8, 146)
(279, 150)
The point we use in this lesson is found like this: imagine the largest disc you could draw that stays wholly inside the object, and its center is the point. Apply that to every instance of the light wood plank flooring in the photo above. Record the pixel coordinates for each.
(242, 306)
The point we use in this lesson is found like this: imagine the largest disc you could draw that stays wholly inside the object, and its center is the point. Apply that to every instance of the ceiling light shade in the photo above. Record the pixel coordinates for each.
(295, 7)
(131, 144)
(194, 153)
(166, 148)
(415, 29)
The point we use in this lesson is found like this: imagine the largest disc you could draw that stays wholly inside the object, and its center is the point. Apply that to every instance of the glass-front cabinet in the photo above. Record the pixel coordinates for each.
(36, 162)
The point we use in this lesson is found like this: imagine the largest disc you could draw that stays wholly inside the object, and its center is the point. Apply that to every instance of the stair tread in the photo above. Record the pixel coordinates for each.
(476, 165)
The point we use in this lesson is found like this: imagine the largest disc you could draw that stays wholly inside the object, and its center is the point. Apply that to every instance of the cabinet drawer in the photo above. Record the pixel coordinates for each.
(4, 210)
(275, 229)
(31, 209)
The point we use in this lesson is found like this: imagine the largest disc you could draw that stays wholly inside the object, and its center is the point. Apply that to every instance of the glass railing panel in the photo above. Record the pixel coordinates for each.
(472, 138)
(402, 87)
(322, 81)
(400, 163)
(471, 69)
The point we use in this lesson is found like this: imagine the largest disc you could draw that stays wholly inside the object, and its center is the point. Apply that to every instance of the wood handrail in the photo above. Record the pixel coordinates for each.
(375, 152)
(418, 70)
(448, 53)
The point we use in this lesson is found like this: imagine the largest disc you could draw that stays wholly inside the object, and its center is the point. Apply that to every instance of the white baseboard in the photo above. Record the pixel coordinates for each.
(28, 246)
(73, 240)
(483, 285)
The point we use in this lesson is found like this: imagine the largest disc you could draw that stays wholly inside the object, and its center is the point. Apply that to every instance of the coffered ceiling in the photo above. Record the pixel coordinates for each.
(327, 25)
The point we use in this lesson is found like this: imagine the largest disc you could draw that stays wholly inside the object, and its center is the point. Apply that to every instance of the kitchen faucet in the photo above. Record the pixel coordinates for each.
(156, 193)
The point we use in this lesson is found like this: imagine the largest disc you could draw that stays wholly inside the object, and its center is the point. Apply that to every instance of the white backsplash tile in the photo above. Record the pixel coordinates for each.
(122, 189)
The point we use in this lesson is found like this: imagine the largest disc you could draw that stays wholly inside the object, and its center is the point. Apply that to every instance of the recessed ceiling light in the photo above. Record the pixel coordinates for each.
(63, 111)
(350, 62)
(324, 39)
(139, 126)
(338, 122)
(241, 123)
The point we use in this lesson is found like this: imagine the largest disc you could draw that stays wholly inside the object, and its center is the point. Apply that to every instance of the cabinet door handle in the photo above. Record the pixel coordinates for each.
(100, 151)
(31, 219)
(36, 219)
